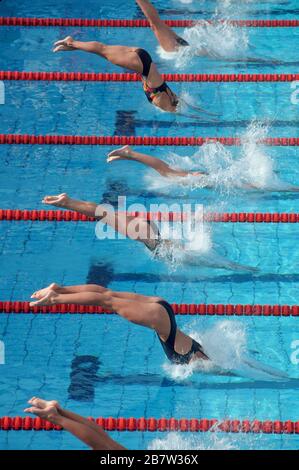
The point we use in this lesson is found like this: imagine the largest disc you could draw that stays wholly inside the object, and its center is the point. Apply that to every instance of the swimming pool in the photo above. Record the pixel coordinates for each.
(100, 365)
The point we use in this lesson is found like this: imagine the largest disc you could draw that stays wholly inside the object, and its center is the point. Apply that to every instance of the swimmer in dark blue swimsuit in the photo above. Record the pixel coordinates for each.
(151, 312)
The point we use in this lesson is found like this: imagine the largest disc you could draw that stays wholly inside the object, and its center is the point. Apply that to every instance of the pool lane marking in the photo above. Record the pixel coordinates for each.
(141, 23)
(217, 217)
(134, 77)
(29, 139)
(19, 307)
(142, 424)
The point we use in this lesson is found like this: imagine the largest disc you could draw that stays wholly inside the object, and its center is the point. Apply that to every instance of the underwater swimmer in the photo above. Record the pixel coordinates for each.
(151, 312)
(85, 430)
(144, 231)
(171, 42)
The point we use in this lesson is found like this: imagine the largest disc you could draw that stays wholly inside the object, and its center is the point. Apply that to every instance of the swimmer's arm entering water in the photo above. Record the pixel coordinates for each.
(284, 188)
(214, 260)
(127, 153)
(196, 108)
(203, 52)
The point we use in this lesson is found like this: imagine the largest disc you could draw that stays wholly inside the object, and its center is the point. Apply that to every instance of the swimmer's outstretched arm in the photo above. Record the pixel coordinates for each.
(86, 431)
(214, 260)
(127, 153)
(203, 52)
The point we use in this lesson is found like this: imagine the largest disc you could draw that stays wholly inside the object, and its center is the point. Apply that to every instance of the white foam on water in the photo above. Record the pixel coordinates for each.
(175, 441)
(225, 343)
(220, 40)
(251, 169)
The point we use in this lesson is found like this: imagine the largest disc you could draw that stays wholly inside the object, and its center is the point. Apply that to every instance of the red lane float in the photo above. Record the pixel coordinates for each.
(142, 23)
(225, 217)
(18, 307)
(134, 77)
(18, 423)
(27, 139)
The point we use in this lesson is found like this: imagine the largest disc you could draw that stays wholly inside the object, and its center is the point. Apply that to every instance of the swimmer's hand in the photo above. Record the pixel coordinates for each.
(65, 44)
(43, 409)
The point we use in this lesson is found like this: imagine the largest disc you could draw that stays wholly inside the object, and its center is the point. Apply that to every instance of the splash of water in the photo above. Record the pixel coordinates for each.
(191, 244)
(252, 169)
(220, 40)
(227, 347)
(187, 245)
(175, 441)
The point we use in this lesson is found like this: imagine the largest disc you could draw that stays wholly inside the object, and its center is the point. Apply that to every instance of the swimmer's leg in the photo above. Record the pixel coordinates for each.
(132, 227)
(139, 312)
(166, 37)
(92, 288)
(122, 56)
(149, 314)
(127, 153)
(86, 431)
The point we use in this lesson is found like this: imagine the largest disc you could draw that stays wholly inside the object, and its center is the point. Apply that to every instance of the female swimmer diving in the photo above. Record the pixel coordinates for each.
(139, 60)
(133, 58)
(151, 312)
(147, 232)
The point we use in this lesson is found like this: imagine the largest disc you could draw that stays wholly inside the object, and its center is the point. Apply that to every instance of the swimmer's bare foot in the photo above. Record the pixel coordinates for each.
(60, 200)
(119, 154)
(50, 298)
(42, 292)
(48, 412)
(65, 44)
(43, 404)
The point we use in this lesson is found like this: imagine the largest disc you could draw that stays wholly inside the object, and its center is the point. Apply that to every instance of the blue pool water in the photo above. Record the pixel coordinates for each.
(47, 355)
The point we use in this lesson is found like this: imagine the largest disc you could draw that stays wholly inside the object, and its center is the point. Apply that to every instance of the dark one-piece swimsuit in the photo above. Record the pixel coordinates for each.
(168, 345)
(151, 92)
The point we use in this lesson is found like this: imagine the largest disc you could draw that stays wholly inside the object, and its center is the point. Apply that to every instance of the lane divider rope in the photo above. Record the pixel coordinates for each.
(27, 423)
(18, 307)
(27, 139)
(70, 216)
(134, 77)
(142, 23)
